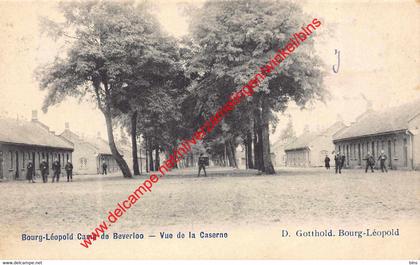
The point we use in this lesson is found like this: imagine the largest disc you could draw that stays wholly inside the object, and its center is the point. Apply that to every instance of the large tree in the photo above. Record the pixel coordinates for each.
(235, 39)
(152, 94)
(100, 38)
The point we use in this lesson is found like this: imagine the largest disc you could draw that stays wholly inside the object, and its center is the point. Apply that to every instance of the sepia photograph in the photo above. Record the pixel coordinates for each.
(209, 130)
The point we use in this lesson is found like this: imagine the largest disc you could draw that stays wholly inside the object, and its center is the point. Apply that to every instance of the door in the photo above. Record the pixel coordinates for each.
(373, 148)
(389, 155)
(347, 155)
(33, 163)
(17, 165)
(1, 165)
(405, 153)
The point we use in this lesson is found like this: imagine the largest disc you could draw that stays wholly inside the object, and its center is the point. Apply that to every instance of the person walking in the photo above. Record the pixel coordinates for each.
(382, 159)
(69, 171)
(56, 167)
(370, 162)
(104, 168)
(338, 162)
(327, 162)
(44, 170)
(201, 165)
(30, 172)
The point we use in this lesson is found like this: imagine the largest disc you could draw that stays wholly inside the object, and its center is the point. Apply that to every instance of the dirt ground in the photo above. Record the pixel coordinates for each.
(225, 197)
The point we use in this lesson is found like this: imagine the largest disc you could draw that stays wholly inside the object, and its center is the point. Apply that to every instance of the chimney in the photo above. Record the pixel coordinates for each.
(34, 115)
(67, 126)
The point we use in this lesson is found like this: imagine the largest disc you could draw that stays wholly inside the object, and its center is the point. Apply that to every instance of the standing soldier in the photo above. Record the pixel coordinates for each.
(327, 162)
(382, 158)
(338, 162)
(104, 167)
(56, 167)
(343, 160)
(30, 172)
(370, 161)
(201, 165)
(44, 170)
(69, 171)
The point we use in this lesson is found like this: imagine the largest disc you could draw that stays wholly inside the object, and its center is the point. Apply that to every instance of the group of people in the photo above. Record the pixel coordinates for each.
(339, 160)
(370, 161)
(43, 166)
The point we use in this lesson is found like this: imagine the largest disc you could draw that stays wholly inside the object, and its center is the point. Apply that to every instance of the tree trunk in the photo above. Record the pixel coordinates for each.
(225, 159)
(146, 154)
(232, 146)
(254, 141)
(246, 155)
(267, 164)
(151, 163)
(258, 140)
(140, 160)
(117, 156)
(136, 169)
(229, 154)
(249, 150)
(172, 151)
(157, 158)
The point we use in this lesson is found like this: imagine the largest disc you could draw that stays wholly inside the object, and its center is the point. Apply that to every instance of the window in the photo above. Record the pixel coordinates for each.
(11, 159)
(405, 152)
(373, 148)
(23, 159)
(83, 163)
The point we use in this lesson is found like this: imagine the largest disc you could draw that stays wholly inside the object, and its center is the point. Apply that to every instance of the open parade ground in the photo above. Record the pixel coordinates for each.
(225, 197)
(245, 209)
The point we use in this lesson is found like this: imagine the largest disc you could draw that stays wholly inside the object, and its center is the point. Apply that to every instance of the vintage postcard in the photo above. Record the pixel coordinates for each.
(180, 129)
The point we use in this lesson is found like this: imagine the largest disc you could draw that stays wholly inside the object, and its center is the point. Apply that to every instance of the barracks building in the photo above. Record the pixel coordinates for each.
(21, 141)
(89, 153)
(395, 130)
(309, 149)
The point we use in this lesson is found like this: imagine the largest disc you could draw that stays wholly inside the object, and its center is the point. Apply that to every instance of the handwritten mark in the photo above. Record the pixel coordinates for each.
(338, 61)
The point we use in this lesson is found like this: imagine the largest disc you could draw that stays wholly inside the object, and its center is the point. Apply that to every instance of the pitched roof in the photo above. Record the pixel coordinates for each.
(302, 141)
(305, 140)
(101, 146)
(30, 133)
(379, 122)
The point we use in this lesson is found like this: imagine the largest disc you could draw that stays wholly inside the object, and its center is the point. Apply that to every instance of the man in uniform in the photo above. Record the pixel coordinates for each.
(370, 162)
(327, 162)
(104, 168)
(44, 170)
(30, 172)
(343, 160)
(69, 171)
(338, 162)
(56, 167)
(382, 159)
(201, 165)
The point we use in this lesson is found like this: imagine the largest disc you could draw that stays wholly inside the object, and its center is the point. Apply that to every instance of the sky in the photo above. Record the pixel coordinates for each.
(379, 46)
